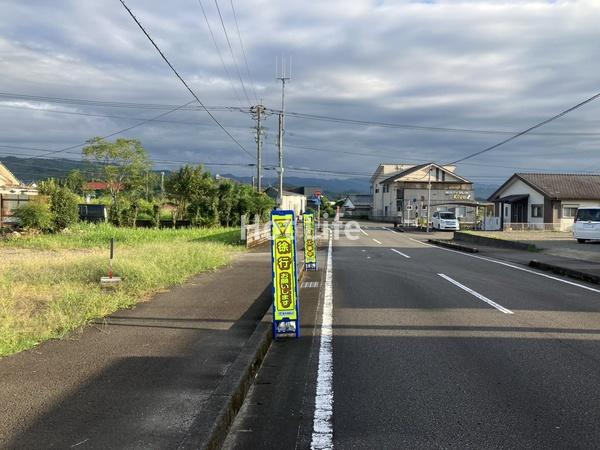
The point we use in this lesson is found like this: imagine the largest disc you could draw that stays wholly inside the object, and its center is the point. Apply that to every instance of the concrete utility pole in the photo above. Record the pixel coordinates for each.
(258, 112)
(284, 76)
(428, 198)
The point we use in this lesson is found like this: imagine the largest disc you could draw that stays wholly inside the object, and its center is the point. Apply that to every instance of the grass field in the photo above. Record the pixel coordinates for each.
(49, 284)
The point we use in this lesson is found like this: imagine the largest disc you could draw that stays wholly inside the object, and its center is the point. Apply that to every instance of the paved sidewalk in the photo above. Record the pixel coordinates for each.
(141, 377)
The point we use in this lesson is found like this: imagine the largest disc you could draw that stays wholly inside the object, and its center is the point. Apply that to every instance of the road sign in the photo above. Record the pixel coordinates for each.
(310, 248)
(286, 312)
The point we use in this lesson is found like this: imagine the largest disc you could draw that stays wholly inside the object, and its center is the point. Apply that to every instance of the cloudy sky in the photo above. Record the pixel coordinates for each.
(487, 66)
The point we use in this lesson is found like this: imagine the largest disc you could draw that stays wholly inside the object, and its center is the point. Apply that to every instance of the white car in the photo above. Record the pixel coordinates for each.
(587, 224)
(443, 220)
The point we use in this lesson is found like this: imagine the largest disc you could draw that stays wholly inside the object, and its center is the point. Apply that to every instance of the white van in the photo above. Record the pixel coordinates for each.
(444, 220)
(587, 224)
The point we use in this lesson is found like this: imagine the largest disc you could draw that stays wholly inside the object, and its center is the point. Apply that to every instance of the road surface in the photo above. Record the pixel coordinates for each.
(430, 348)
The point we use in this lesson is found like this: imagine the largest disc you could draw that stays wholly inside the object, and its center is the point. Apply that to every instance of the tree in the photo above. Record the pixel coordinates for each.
(75, 181)
(181, 187)
(48, 186)
(64, 208)
(125, 164)
(35, 214)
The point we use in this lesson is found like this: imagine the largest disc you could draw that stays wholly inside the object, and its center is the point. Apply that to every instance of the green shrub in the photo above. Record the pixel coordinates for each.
(35, 215)
(64, 208)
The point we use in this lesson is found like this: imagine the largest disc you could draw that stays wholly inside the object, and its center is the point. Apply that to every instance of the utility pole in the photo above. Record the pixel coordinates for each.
(258, 112)
(428, 198)
(284, 76)
(162, 183)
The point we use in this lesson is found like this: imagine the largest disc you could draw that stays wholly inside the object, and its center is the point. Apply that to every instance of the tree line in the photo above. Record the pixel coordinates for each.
(135, 192)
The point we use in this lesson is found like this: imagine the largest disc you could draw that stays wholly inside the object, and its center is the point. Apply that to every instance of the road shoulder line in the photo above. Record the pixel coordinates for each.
(476, 294)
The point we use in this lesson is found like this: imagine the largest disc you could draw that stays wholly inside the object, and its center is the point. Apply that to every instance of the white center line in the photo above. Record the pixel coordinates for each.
(376, 240)
(322, 435)
(476, 294)
(400, 253)
(502, 263)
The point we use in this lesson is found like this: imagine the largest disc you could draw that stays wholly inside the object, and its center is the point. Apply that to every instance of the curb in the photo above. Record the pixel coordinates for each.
(210, 427)
(494, 242)
(460, 248)
(577, 274)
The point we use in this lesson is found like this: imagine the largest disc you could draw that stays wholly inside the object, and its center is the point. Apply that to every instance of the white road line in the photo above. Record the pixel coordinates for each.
(400, 253)
(362, 231)
(322, 435)
(502, 263)
(376, 240)
(476, 294)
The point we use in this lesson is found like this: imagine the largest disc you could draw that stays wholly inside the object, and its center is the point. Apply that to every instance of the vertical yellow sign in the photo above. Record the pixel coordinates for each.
(285, 294)
(310, 249)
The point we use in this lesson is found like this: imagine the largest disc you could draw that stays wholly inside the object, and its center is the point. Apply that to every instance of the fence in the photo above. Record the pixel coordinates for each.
(558, 226)
(8, 204)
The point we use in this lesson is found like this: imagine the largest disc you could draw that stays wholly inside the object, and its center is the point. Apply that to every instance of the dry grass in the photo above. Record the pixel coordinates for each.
(47, 293)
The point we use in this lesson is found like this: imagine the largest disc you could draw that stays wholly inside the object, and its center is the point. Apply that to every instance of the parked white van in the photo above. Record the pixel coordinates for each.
(587, 224)
(443, 220)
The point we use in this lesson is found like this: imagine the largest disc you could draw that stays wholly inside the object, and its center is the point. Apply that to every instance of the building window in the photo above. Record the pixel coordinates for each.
(386, 211)
(377, 190)
(537, 210)
(506, 211)
(569, 211)
(386, 188)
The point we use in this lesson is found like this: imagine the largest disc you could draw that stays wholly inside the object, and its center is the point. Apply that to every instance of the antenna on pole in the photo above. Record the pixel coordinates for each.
(284, 76)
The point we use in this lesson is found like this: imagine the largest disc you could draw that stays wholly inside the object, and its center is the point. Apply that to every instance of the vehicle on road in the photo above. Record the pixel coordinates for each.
(587, 224)
(444, 220)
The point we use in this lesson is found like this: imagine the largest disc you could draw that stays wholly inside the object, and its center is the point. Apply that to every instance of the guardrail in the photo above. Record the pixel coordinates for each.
(257, 234)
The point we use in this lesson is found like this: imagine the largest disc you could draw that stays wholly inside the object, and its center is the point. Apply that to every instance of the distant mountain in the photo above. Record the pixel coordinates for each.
(331, 187)
(484, 190)
(29, 170)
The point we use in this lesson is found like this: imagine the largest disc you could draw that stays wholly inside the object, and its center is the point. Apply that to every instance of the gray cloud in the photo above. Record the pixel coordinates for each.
(481, 65)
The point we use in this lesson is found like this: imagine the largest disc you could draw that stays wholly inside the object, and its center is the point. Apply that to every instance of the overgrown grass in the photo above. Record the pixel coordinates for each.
(49, 284)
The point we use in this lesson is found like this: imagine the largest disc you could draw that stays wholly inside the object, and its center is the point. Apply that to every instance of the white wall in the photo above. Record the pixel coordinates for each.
(517, 187)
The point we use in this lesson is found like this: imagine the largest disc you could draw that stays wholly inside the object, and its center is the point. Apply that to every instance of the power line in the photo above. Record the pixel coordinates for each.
(111, 116)
(521, 133)
(183, 81)
(231, 50)
(417, 127)
(71, 147)
(252, 84)
(212, 35)
(114, 104)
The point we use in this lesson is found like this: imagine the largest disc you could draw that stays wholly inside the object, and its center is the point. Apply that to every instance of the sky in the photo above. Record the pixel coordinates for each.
(489, 66)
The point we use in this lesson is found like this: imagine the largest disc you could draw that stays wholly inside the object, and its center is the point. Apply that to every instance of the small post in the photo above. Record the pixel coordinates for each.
(110, 281)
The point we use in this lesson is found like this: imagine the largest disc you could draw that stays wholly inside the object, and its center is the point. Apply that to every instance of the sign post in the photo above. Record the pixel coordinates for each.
(310, 249)
(286, 310)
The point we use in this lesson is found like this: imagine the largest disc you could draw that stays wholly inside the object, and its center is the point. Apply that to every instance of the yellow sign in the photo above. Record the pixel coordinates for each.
(310, 250)
(285, 298)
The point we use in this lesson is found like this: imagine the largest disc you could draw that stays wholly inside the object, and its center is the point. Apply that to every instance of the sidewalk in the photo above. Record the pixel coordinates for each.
(139, 378)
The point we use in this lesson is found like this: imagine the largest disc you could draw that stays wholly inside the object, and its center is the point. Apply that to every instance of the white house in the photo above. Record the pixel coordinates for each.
(13, 194)
(402, 192)
(289, 200)
(544, 200)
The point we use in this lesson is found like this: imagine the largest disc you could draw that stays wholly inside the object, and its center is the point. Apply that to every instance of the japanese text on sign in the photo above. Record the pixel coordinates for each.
(284, 266)
(310, 251)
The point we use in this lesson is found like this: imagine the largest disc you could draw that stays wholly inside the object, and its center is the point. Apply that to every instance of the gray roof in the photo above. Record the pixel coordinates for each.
(410, 170)
(360, 199)
(559, 186)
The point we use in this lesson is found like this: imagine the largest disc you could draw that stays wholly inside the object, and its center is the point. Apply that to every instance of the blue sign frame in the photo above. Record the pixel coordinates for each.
(285, 327)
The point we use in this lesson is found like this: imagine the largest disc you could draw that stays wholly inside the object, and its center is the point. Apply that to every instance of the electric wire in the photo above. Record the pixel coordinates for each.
(212, 35)
(231, 51)
(521, 133)
(237, 27)
(183, 81)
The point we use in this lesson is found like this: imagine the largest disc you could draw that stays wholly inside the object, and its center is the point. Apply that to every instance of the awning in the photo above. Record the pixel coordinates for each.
(513, 198)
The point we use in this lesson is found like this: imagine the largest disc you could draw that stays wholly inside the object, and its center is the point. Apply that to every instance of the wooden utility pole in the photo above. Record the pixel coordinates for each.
(258, 112)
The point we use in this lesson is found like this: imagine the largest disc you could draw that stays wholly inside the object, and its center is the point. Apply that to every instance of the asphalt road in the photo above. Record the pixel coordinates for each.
(431, 349)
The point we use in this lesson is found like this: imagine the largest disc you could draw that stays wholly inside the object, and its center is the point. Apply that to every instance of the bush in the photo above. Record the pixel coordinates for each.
(35, 215)
(64, 208)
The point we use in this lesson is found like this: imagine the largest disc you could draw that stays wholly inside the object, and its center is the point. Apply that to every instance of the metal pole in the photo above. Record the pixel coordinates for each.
(428, 198)
(258, 148)
(281, 131)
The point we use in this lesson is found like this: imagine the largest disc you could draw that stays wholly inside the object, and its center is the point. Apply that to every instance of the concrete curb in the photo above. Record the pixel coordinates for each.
(211, 426)
(572, 273)
(494, 242)
(460, 248)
